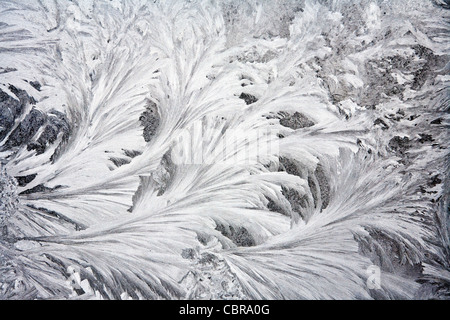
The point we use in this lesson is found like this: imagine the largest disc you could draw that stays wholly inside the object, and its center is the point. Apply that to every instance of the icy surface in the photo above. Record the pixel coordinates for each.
(116, 181)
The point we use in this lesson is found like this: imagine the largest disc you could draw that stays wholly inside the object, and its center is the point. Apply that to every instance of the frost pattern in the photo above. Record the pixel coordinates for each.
(94, 95)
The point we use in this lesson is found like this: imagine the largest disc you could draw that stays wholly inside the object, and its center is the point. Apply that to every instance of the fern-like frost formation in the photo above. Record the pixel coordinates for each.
(118, 179)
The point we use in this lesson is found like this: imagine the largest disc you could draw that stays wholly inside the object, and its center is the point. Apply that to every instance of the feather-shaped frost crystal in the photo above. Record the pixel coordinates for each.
(224, 150)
